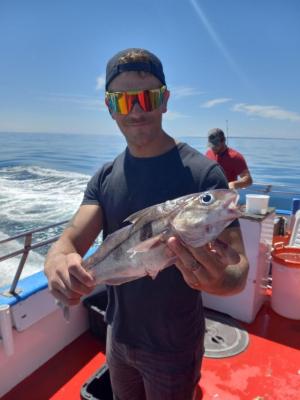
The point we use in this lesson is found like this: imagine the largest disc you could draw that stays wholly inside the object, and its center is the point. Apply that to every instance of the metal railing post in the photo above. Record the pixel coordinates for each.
(27, 247)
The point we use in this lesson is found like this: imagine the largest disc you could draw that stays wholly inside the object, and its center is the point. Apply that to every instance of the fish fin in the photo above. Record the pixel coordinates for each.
(65, 310)
(146, 245)
(146, 215)
(110, 242)
(157, 211)
(153, 273)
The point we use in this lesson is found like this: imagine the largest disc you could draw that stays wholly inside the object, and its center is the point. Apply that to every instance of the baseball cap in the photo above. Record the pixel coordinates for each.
(116, 66)
(215, 137)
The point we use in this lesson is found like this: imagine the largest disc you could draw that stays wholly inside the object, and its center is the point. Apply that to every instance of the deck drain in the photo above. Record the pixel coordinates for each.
(223, 336)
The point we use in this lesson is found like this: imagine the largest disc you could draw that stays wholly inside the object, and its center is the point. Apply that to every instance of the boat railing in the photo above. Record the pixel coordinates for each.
(262, 187)
(27, 247)
(281, 196)
(267, 188)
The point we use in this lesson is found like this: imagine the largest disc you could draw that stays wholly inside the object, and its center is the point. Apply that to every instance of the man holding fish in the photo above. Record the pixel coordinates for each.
(162, 206)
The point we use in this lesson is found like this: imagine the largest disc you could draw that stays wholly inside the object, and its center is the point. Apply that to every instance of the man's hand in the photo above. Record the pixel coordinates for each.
(67, 279)
(217, 268)
(245, 180)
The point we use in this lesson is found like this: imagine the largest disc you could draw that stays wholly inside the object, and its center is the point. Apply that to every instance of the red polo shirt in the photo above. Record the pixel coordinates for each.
(232, 162)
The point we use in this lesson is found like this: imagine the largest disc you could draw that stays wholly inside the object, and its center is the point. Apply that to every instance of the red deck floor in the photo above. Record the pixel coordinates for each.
(269, 369)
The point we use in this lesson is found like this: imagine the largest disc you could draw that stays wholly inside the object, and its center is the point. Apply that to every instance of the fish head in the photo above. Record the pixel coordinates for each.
(205, 215)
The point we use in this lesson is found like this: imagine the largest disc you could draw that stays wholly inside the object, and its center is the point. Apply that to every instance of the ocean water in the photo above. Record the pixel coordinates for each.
(43, 176)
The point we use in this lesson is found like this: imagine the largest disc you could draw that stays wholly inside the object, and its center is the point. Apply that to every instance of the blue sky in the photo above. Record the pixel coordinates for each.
(224, 60)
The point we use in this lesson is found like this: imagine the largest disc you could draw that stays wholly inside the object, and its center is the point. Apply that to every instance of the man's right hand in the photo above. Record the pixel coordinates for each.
(67, 279)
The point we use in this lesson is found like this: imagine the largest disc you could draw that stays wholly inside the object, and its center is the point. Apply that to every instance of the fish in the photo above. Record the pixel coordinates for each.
(140, 248)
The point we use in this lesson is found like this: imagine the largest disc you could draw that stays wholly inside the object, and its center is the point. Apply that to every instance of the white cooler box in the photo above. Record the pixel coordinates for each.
(257, 231)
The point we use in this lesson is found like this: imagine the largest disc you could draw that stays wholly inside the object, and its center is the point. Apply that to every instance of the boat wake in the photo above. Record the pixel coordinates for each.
(32, 197)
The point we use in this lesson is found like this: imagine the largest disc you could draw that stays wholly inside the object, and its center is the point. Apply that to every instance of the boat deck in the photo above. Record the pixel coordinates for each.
(269, 369)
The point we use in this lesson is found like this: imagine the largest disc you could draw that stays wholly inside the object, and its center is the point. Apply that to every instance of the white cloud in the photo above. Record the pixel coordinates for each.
(273, 112)
(183, 91)
(100, 82)
(82, 101)
(215, 102)
(172, 115)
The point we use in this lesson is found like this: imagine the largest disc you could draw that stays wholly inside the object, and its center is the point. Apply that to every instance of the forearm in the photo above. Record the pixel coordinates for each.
(244, 181)
(62, 246)
(240, 184)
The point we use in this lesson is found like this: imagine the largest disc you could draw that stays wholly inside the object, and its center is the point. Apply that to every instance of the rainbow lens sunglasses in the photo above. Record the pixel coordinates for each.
(122, 102)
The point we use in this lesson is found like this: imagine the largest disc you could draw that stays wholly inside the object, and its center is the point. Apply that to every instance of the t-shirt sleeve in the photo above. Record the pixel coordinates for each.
(240, 163)
(209, 154)
(215, 179)
(92, 191)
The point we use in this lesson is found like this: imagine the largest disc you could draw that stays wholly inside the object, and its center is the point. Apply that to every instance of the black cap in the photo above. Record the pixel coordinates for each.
(215, 137)
(152, 64)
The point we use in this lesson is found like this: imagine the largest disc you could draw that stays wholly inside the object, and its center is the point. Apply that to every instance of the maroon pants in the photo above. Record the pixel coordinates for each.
(140, 375)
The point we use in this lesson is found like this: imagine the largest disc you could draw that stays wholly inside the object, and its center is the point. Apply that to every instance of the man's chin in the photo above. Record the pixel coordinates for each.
(139, 136)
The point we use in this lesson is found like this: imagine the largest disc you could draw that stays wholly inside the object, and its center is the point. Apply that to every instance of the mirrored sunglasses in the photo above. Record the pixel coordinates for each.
(123, 102)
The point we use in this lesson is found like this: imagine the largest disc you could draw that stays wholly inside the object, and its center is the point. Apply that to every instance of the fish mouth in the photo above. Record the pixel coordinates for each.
(234, 213)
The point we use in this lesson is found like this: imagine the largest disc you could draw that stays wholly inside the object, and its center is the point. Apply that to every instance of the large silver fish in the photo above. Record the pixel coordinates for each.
(139, 249)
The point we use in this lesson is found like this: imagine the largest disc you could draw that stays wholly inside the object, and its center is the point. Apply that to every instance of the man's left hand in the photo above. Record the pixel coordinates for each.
(218, 267)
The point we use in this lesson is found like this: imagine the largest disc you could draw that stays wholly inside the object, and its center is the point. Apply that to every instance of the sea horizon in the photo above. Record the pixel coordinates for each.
(117, 133)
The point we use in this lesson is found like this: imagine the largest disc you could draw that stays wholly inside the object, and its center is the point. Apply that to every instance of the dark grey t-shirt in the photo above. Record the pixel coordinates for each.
(163, 314)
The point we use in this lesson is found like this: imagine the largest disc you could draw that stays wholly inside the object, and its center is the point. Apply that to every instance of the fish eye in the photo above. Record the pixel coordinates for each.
(207, 198)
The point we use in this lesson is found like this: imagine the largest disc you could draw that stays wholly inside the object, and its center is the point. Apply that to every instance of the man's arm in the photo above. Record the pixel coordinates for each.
(244, 181)
(220, 268)
(67, 279)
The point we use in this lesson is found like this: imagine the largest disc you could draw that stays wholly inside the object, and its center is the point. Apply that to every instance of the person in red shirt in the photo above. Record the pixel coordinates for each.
(232, 162)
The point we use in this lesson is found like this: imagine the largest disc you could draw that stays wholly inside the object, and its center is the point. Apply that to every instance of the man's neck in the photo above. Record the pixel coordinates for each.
(222, 150)
(160, 145)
